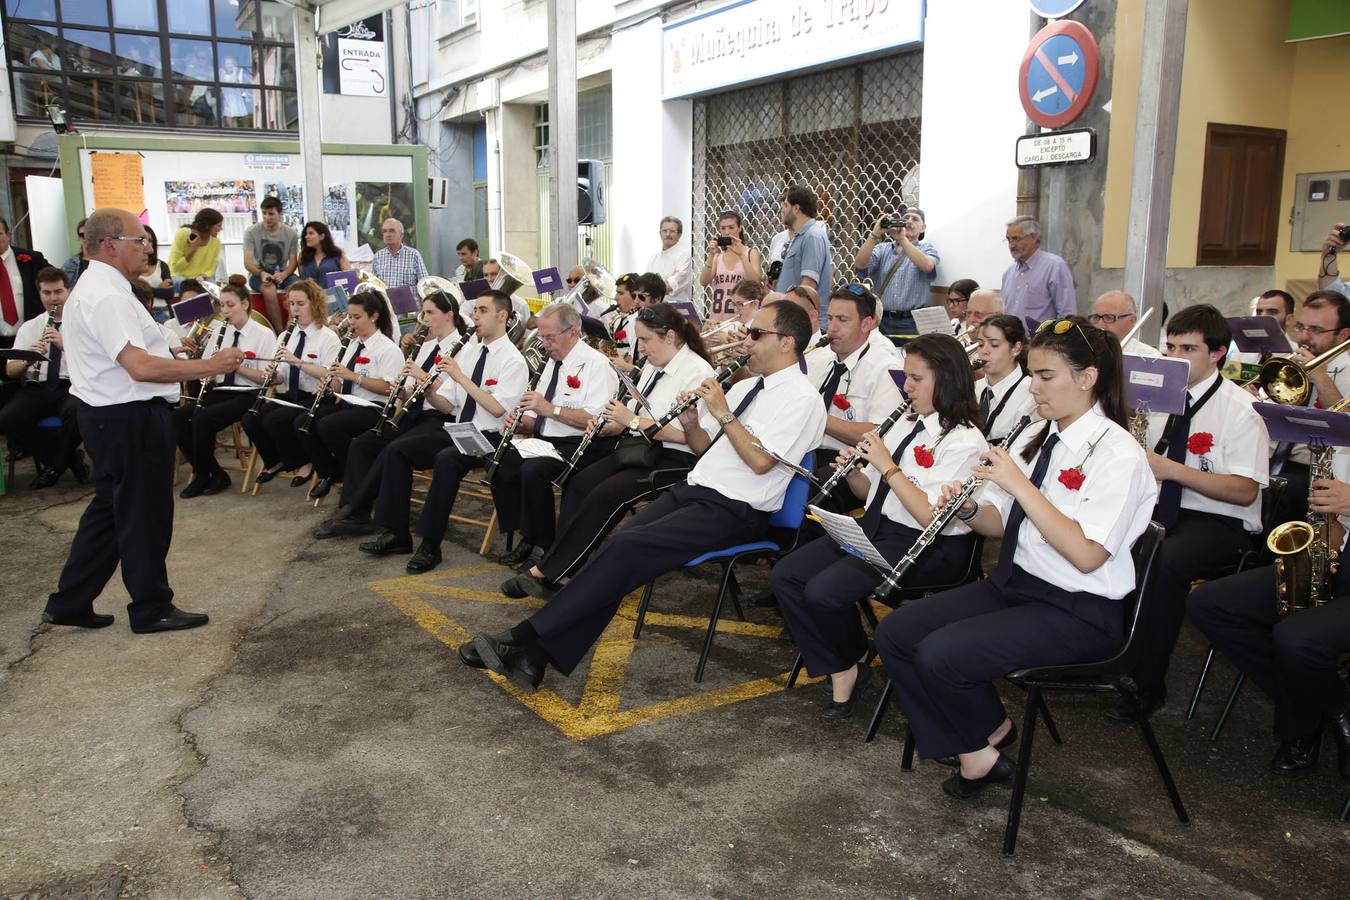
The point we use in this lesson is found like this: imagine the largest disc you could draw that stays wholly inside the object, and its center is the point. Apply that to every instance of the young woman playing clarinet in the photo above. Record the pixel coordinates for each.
(598, 496)
(311, 349)
(818, 585)
(1068, 500)
(1004, 391)
(361, 378)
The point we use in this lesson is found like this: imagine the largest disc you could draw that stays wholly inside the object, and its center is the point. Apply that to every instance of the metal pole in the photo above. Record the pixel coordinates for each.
(308, 65)
(1155, 151)
(562, 132)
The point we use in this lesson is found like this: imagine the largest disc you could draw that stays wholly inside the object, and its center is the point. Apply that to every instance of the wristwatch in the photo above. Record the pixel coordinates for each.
(633, 425)
(726, 419)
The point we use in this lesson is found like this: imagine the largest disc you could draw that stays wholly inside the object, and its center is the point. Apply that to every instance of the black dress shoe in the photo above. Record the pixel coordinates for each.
(427, 557)
(1123, 712)
(523, 584)
(517, 556)
(964, 788)
(267, 475)
(1340, 733)
(195, 487)
(469, 655)
(46, 477)
(1295, 757)
(842, 710)
(345, 526)
(1004, 743)
(219, 482)
(300, 480)
(176, 620)
(524, 666)
(321, 489)
(83, 620)
(79, 467)
(387, 543)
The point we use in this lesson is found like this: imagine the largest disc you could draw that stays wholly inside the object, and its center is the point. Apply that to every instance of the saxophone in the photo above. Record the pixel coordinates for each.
(1138, 424)
(1304, 551)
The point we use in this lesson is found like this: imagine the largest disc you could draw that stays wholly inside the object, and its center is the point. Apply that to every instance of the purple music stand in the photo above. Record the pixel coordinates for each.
(1258, 334)
(1156, 384)
(348, 280)
(1305, 425)
(546, 281)
(189, 311)
(472, 290)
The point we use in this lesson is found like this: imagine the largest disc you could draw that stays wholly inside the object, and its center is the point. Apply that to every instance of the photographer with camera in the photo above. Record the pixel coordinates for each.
(729, 262)
(902, 268)
(1329, 273)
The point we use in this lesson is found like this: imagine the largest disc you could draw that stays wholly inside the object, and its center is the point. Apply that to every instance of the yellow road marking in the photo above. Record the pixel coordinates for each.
(598, 712)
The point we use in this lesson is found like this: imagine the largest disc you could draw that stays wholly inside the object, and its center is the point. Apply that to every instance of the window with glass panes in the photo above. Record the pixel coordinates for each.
(167, 63)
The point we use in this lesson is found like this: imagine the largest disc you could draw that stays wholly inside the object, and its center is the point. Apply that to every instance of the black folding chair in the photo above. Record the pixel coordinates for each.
(1270, 503)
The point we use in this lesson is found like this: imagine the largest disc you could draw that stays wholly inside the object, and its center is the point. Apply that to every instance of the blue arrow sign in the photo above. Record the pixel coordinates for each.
(1056, 75)
(1054, 9)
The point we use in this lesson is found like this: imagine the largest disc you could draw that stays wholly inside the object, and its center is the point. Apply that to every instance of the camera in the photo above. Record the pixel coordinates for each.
(775, 269)
(1345, 233)
(892, 223)
(723, 241)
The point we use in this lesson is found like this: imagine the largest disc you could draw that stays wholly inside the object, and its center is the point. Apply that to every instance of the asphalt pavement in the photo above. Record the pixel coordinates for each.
(320, 739)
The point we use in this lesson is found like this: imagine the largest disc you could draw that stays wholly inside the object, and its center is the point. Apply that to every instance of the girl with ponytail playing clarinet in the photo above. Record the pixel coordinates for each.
(817, 585)
(1069, 500)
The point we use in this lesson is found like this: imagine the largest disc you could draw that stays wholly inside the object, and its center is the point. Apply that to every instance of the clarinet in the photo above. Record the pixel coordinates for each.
(272, 369)
(210, 379)
(431, 379)
(723, 376)
(591, 431)
(848, 466)
(941, 518)
(307, 418)
(508, 429)
(419, 338)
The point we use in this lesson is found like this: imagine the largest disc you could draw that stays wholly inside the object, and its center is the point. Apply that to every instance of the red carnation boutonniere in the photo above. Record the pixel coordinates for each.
(1200, 443)
(841, 402)
(573, 382)
(436, 360)
(249, 354)
(923, 456)
(1071, 478)
(361, 360)
(621, 335)
(24, 258)
(490, 382)
(311, 356)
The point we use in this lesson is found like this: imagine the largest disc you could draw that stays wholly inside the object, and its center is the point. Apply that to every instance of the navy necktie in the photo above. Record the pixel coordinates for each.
(351, 364)
(415, 408)
(1168, 508)
(871, 519)
(1016, 516)
(548, 395)
(471, 405)
(740, 408)
(54, 361)
(831, 384)
(229, 379)
(986, 401)
(647, 391)
(293, 387)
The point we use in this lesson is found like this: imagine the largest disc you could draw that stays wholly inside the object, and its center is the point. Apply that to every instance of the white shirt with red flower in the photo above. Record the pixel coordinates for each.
(257, 341)
(506, 376)
(1112, 503)
(587, 381)
(867, 392)
(931, 460)
(1227, 437)
(321, 348)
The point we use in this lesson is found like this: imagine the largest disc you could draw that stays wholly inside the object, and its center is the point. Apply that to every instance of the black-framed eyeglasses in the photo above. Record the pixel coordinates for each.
(1108, 318)
(757, 333)
(1312, 329)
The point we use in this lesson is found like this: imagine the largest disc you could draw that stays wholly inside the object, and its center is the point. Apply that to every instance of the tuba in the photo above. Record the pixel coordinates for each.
(1305, 551)
(435, 284)
(514, 275)
(596, 282)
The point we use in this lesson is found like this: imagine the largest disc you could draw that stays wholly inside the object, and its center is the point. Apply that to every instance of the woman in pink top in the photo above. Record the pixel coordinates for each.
(729, 261)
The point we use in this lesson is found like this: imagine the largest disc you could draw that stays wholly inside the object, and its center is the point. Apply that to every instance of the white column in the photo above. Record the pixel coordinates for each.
(309, 96)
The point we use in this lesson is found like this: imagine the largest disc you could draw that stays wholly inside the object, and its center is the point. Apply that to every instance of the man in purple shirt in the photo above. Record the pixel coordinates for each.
(1038, 285)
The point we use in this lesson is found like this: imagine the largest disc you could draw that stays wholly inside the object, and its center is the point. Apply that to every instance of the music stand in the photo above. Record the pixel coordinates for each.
(192, 309)
(1305, 425)
(472, 290)
(689, 311)
(546, 281)
(29, 356)
(348, 280)
(1156, 384)
(1258, 334)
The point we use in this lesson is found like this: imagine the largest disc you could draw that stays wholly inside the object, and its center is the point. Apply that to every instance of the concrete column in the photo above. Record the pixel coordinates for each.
(519, 215)
(562, 132)
(307, 74)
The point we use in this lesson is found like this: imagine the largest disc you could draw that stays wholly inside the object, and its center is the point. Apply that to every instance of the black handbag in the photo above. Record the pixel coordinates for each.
(635, 453)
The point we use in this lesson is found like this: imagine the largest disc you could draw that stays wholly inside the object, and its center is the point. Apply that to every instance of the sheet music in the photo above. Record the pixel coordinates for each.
(359, 401)
(536, 448)
(281, 402)
(468, 439)
(634, 392)
(233, 387)
(931, 319)
(848, 534)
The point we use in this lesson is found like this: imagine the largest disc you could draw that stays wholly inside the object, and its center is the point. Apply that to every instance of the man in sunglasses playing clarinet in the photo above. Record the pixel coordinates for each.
(726, 499)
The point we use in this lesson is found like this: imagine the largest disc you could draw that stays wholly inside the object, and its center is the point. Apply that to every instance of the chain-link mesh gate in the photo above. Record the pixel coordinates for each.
(849, 134)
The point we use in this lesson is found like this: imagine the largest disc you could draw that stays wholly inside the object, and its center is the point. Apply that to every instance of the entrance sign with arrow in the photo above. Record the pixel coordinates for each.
(1059, 74)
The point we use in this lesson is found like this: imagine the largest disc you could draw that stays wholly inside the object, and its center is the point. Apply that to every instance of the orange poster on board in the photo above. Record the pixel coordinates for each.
(118, 181)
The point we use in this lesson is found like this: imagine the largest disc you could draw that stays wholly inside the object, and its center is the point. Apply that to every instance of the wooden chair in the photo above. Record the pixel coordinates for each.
(422, 479)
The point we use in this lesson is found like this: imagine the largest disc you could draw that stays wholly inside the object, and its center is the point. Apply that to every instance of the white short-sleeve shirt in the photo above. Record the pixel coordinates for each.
(505, 376)
(1112, 506)
(1010, 401)
(257, 342)
(383, 360)
(586, 381)
(1234, 440)
(869, 392)
(685, 371)
(321, 348)
(30, 333)
(951, 455)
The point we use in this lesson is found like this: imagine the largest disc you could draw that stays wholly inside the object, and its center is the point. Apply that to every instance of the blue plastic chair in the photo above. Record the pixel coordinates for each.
(786, 521)
(48, 422)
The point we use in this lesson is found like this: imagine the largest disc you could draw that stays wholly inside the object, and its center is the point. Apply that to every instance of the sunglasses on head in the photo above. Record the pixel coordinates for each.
(1062, 326)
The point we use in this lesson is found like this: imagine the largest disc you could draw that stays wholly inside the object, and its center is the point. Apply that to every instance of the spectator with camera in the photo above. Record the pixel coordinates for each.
(1329, 273)
(730, 260)
(902, 268)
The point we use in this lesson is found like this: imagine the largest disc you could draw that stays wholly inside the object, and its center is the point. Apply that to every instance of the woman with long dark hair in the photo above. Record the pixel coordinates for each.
(319, 256)
(1069, 501)
(195, 251)
(598, 496)
(1004, 390)
(817, 585)
(730, 259)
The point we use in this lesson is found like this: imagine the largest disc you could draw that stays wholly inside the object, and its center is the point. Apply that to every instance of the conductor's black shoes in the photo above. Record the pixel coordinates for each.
(84, 620)
(176, 620)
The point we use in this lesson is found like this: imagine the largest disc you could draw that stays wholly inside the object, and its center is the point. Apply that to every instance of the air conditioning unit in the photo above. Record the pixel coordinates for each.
(440, 191)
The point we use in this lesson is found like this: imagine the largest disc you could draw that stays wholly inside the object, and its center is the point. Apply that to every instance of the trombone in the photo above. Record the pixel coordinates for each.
(1286, 382)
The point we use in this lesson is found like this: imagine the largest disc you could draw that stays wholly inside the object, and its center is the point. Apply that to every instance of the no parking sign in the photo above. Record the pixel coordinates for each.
(1059, 74)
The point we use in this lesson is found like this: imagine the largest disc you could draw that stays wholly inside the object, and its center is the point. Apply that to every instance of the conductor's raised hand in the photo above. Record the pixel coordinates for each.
(226, 361)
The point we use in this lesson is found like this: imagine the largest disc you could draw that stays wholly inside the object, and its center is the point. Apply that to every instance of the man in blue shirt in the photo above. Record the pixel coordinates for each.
(901, 269)
(808, 255)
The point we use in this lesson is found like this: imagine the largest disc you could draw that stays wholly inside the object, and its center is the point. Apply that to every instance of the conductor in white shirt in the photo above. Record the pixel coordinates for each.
(126, 380)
